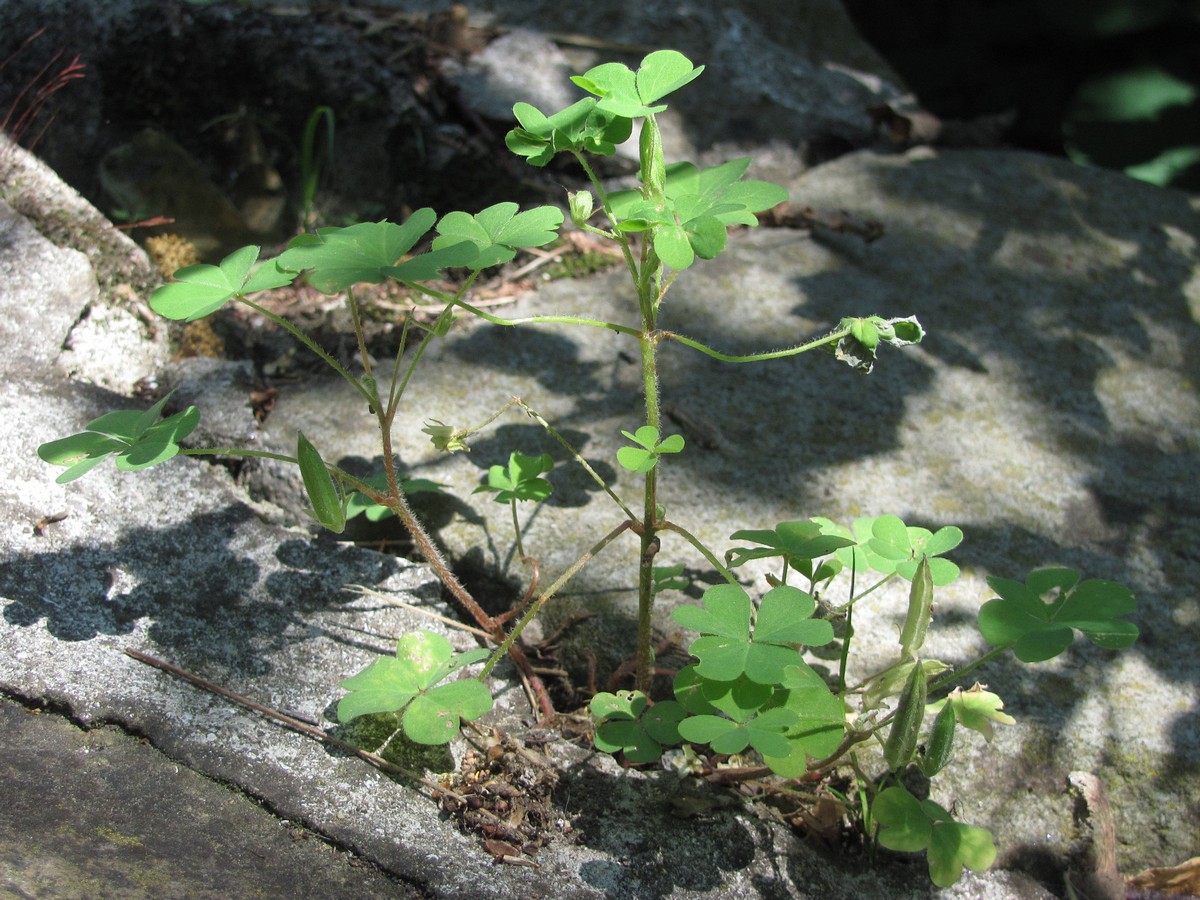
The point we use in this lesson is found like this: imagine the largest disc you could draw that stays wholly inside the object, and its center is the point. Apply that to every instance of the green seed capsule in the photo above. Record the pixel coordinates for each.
(322, 492)
(941, 741)
(906, 727)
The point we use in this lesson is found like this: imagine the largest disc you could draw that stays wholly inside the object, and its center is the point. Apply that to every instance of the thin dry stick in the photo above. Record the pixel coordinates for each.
(296, 724)
(420, 610)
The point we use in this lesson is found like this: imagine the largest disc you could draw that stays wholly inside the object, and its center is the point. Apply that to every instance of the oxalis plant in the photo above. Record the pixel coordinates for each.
(750, 700)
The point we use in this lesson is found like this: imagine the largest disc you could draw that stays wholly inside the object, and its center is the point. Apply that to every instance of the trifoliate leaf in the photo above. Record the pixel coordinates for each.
(520, 481)
(201, 290)
(498, 231)
(137, 438)
(909, 825)
(366, 253)
(626, 722)
(1039, 618)
(422, 660)
(727, 648)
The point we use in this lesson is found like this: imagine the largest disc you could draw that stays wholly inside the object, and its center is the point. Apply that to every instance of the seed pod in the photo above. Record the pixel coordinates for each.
(920, 604)
(318, 483)
(941, 741)
(906, 726)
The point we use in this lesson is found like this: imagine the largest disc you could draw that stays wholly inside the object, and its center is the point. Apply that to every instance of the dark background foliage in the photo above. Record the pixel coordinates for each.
(1110, 82)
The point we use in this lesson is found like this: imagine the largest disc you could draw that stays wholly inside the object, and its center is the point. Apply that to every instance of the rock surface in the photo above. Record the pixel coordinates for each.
(1052, 413)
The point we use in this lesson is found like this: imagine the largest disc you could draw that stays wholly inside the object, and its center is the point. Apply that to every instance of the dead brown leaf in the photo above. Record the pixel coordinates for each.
(1174, 881)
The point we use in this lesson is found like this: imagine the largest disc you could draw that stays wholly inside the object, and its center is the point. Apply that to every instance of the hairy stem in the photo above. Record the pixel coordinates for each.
(648, 530)
(831, 338)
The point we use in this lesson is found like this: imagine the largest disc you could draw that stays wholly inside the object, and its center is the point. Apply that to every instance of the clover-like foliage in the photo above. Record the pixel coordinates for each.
(581, 127)
(644, 456)
(137, 439)
(630, 94)
(497, 232)
(627, 722)
(729, 646)
(359, 504)
(909, 825)
(1039, 618)
(887, 545)
(520, 480)
(370, 252)
(201, 290)
(698, 205)
(787, 722)
(798, 544)
(411, 682)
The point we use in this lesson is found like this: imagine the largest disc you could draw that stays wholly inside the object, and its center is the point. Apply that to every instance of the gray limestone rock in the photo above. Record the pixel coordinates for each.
(1051, 413)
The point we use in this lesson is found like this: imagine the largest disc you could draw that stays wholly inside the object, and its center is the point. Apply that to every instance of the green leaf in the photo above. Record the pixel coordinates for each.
(705, 729)
(728, 649)
(691, 216)
(338, 258)
(904, 825)
(137, 439)
(784, 618)
(645, 456)
(326, 499)
(689, 689)
(436, 716)
(820, 721)
(909, 825)
(672, 246)
(625, 722)
(409, 682)
(952, 846)
(385, 685)
(796, 543)
(1039, 618)
(201, 290)
(726, 612)
(628, 94)
(359, 504)
(902, 546)
(498, 231)
(707, 237)
(579, 127)
(668, 578)
(663, 72)
(520, 481)
(764, 732)
(428, 265)
(79, 452)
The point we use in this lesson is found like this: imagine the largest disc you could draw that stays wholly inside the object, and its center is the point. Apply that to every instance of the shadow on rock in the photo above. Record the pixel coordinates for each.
(205, 594)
